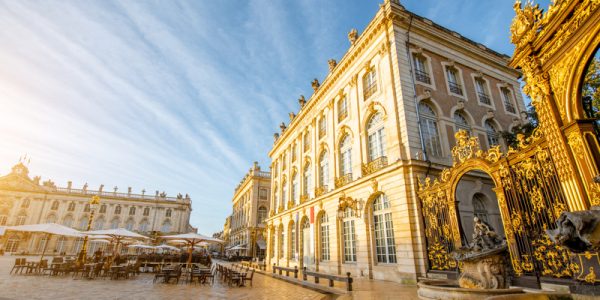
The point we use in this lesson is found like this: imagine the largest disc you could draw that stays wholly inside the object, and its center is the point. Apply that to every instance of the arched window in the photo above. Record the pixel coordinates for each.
(293, 253)
(129, 225)
(461, 123)
(308, 182)
(295, 188)
(71, 206)
(429, 130)
(132, 211)
(54, 205)
(166, 227)
(21, 219)
(143, 226)
(51, 218)
(376, 137)
(346, 156)
(146, 211)
(284, 190)
(324, 235)
(114, 224)
(262, 214)
(25, 203)
(384, 230)
(591, 93)
(118, 210)
(479, 209)
(349, 236)
(103, 208)
(323, 171)
(68, 221)
(493, 137)
(168, 213)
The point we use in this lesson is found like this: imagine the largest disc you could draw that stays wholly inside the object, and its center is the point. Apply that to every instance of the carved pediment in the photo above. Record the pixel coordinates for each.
(18, 183)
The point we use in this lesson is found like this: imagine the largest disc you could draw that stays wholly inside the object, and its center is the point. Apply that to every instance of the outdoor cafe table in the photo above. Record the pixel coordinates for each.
(230, 269)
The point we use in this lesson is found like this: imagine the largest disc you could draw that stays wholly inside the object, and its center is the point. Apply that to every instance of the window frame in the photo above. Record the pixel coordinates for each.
(376, 131)
(428, 67)
(433, 121)
(486, 87)
(381, 215)
(459, 77)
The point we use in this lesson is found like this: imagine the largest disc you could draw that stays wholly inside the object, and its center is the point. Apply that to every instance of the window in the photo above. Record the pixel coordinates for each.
(342, 108)
(25, 203)
(349, 236)
(307, 184)
(143, 226)
(99, 223)
(21, 219)
(51, 218)
(132, 211)
(295, 188)
(129, 225)
(508, 101)
(3, 219)
(322, 126)
(281, 239)
(461, 123)
(68, 221)
(60, 244)
(479, 209)
(262, 214)
(482, 92)
(385, 245)
(453, 82)
(292, 251)
(369, 83)
(146, 211)
(421, 72)
(272, 244)
(346, 156)
(12, 244)
(284, 190)
(71, 206)
(429, 130)
(83, 223)
(263, 193)
(168, 213)
(103, 208)
(274, 169)
(114, 224)
(493, 137)
(118, 210)
(376, 137)
(283, 161)
(324, 235)
(86, 207)
(294, 151)
(42, 243)
(306, 141)
(54, 205)
(166, 227)
(323, 171)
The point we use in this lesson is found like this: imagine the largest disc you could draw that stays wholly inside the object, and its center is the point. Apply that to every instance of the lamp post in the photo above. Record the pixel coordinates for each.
(83, 253)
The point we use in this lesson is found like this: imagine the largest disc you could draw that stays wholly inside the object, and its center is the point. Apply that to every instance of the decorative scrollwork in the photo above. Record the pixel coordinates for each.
(553, 259)
(466, 147)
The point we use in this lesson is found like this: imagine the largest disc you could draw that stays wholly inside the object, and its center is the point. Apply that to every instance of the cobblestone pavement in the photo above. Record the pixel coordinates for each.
(47, 287)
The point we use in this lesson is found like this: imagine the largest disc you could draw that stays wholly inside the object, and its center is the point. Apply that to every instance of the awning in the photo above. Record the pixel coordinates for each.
(261, 244)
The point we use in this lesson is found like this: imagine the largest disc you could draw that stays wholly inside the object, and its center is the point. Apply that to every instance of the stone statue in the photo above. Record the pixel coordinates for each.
(484, 237)
(292, 116)
(315, 84)
(37, 179)
(302, 101)
(282, 127)
(578, 231)
(332, 64)
(353, 36)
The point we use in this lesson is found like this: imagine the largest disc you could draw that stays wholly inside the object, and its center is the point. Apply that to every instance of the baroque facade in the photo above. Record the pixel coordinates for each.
(345, 168)
(24, 200)
(245, 228)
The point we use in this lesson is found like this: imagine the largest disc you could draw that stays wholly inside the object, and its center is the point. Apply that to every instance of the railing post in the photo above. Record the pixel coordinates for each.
(304, 273)
(273, 268)
(296, 272)
(349, 282)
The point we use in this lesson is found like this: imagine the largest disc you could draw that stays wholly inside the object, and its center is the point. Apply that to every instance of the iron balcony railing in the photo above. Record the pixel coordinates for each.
(455, 88)
(374, 165)
(422, 76)
(343, 180)
(484, 98)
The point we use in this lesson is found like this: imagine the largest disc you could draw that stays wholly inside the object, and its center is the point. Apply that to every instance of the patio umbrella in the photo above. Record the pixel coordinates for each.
(117, 235)
(167, 247)
(49, 229)
(192, 239)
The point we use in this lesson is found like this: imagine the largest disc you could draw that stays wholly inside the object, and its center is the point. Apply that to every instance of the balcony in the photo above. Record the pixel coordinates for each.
(455, 88)
(343, 180)
(321, 190)
(369, 91)
(484, 98)
(422, 76)
(374, 166)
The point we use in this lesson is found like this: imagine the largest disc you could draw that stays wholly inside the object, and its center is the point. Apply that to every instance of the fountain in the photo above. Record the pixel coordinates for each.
(483, 273)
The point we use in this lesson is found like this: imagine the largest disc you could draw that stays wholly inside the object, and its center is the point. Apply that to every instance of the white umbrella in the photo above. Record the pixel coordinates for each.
(142, 246)
(167, 247)
(238, 247)
(118, 235)
(192, 239)
(49, 229)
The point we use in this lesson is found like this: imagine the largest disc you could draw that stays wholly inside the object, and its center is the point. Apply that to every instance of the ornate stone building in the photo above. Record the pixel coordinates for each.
(245, 228)
(24, 200)
(345, 169)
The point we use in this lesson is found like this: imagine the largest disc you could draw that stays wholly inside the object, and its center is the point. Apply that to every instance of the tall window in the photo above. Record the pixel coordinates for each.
(479, 209)
(262, 193)
(283, 160)
(262, 214)
(168, 213)
(3, 219)
(166, 227)
(25, 203)
(346, 156)
(308, 182)
(83, 223)
(143, 226)
(12, 243)
(114, 224)
(68, 221)
(118, 210)
(421, 71)
(21, 219)
(376, 137)
(54, 205)
(507, 98)
(51, 218)
(99, 223)
(493, 137)
(129, 224)
(103, 208)
(146, 211)
(71, 206)
(284, 191)
(369, 83)
(482, 92)
(323, 170)
(306, 141)
(294, 151)
(322, 126)
(453, 82)
(342, 108)
(292, 250)
(324, 235)
(132, 211)
(295, 188)
(429, 130)
(281, 243)
(384, 230)
(349, 235)
(461, 123)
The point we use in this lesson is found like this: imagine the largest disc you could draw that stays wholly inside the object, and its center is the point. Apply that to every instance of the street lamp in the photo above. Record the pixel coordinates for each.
(83, 253)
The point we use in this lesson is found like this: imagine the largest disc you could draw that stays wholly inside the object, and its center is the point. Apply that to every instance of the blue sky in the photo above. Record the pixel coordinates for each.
(180, 96)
